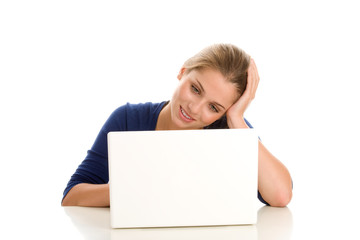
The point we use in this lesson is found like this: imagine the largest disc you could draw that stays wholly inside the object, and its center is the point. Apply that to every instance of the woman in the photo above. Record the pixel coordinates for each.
(215, 88)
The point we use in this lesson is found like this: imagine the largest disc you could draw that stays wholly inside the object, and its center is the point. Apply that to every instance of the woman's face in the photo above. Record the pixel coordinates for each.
(202, 97)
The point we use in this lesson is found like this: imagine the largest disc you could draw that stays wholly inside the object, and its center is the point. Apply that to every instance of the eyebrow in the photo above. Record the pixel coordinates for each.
(202, 89)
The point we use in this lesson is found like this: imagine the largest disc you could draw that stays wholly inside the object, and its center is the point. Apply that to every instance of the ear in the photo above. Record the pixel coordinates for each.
(181, 73)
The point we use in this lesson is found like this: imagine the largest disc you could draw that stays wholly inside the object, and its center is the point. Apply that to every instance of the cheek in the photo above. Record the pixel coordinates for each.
(208, 117)
(177, 94)
(184, 93)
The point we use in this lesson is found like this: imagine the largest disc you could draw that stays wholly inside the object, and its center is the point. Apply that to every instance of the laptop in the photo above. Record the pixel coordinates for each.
(183, 178)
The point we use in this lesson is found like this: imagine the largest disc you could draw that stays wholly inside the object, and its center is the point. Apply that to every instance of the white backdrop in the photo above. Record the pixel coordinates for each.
(66, 65)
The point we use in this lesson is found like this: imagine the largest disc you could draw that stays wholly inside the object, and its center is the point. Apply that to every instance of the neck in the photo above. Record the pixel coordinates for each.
(164, 119)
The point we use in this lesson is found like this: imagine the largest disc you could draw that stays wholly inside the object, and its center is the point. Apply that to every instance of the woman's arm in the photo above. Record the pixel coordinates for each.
(88, 186)
(88, 195)
(274, 181)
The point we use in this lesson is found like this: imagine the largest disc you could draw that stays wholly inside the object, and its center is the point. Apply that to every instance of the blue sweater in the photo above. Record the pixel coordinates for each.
(130, 117)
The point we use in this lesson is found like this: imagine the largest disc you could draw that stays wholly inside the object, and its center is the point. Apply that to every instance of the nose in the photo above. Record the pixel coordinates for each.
(195, 108)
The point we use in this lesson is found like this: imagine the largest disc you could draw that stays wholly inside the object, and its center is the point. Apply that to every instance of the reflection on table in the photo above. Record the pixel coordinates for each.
(94, 223)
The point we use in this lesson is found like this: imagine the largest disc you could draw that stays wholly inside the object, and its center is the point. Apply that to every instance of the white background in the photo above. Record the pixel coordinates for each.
(66, 65)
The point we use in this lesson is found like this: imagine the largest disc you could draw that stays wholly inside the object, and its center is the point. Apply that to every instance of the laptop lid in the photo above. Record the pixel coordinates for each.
(183, 178)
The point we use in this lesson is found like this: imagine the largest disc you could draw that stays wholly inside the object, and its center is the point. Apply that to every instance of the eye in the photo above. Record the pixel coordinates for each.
(213, 108)
(195, 89)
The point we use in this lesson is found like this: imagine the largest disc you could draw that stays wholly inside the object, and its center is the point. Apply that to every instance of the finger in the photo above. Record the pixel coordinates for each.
(252, 80)
(256, 78)
(257, 72)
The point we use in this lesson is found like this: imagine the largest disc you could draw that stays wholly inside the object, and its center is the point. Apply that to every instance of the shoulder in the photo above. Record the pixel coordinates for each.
(143, 108)
(133, 117)
(137, 109)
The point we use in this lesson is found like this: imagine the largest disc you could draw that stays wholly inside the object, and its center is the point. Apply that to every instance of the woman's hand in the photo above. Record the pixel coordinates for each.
(235, 114)
(274, 181)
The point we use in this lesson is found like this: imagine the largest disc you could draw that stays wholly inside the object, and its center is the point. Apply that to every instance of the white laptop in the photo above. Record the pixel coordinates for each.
(183, 178)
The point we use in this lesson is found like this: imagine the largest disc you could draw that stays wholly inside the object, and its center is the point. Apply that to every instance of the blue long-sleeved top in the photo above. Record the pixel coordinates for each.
(130, 117)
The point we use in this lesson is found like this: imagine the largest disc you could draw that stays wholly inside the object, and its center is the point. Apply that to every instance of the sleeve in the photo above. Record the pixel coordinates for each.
(94, 168)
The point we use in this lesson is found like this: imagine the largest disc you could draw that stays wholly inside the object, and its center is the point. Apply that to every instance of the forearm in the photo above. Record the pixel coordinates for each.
(88, 195)
(274, 180)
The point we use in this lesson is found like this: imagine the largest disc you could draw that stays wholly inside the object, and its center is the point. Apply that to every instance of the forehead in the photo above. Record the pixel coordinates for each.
(217, 88)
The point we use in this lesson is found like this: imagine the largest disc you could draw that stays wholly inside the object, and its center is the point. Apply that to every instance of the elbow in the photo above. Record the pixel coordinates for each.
(69, 199)
(66, 202)
(281, 199)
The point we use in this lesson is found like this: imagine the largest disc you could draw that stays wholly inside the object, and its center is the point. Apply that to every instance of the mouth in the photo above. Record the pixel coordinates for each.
(185, 116)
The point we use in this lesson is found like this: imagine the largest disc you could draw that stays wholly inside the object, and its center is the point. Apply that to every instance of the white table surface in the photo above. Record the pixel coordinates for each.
(297, 221)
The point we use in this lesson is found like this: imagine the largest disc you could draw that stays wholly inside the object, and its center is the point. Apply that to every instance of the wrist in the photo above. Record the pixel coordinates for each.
(237, 123)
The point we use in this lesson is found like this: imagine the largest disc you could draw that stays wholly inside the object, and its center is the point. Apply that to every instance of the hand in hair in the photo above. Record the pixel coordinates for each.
(235, 114)
(274, 180)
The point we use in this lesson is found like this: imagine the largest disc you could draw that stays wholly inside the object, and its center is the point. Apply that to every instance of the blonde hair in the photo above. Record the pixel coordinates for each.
(228, 59)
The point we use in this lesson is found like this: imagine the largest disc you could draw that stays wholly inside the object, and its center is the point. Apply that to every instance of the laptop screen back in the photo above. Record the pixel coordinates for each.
(183, 178)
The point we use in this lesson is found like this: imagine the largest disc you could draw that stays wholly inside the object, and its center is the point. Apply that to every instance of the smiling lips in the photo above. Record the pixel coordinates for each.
(186, 117)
